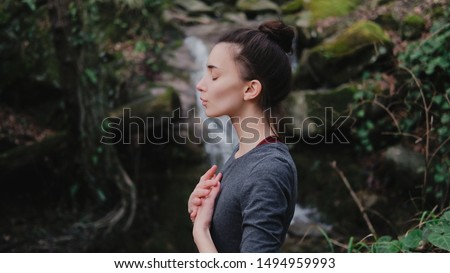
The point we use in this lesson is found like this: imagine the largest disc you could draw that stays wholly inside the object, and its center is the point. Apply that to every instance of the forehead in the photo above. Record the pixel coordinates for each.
(222, 55)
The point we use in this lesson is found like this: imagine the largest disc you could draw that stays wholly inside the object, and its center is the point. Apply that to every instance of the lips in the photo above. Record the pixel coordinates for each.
(204, 102)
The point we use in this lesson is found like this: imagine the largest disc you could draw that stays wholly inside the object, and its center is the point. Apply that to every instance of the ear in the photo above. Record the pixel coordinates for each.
(253, 89)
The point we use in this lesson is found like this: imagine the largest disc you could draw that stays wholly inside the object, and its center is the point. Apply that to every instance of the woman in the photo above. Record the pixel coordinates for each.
(248, 206)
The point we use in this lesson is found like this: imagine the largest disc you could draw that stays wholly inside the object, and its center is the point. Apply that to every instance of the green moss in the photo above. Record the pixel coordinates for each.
(292, 6)
(412, 26)
(361, 34)
(322, 9)
(414, 20)
(256, 5)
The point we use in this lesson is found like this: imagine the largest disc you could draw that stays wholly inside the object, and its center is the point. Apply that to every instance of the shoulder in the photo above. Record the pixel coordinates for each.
(271, 166)
(272, 158)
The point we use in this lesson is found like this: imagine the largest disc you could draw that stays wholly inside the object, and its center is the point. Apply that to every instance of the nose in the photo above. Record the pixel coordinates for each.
(200, 85)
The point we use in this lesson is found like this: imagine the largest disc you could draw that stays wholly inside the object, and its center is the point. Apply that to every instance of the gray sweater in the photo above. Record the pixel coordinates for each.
(256, 202)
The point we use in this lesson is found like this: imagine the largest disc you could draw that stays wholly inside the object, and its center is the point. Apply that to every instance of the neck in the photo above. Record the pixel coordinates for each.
(251, 129)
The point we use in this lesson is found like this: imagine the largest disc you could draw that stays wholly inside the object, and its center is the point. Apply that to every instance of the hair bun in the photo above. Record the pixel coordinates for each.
(280, 33)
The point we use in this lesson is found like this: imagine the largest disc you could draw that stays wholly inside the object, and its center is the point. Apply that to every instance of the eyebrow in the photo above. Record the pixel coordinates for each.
(210, 66)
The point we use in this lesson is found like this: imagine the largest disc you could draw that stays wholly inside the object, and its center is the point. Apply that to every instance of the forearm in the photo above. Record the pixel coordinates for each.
(203, 240)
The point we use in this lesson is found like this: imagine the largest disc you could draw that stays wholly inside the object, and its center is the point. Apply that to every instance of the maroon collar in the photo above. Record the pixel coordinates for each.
(269, 139)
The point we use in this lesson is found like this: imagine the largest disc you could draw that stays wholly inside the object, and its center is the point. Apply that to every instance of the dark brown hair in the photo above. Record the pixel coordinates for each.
(262, 56)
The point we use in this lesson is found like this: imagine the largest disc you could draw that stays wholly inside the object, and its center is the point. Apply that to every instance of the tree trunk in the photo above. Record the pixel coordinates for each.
(96, 167)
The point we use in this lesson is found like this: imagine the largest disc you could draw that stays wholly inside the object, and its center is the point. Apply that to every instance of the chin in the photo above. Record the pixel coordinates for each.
(212, 114)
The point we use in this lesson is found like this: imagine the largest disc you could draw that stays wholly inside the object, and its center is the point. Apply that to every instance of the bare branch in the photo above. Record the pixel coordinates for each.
(355, 198)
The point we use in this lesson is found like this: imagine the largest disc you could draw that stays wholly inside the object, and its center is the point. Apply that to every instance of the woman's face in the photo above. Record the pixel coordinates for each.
(221, 87)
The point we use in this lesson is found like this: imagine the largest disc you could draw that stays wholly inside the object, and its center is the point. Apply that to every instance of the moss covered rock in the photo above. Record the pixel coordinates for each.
(342, 58)
(194, 7)
(387, 21)
(321, 9)
(292, 6)
(412, 26)
(322, 108)
(252, 8)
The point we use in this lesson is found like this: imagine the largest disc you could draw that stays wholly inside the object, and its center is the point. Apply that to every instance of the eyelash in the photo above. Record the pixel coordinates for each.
(214, 78)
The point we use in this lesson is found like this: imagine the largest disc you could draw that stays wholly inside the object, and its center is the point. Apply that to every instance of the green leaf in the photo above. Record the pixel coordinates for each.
(140, 46)
(31, 4)
(358, 95)
(73, 190)
(445, 118)
(91, 75)
(101, 195)
(370, 125)
(446, 216)
(438, 234)
(94, 159)
(442, 131)
(360, 113)
(438, 99)
(441, 240)
(412, 239)
(385, 244)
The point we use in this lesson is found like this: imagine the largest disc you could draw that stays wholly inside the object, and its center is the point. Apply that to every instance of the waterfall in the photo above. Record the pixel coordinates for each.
(218, 151)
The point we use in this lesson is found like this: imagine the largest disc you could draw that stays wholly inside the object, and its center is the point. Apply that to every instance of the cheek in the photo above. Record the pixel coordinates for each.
(228, 97)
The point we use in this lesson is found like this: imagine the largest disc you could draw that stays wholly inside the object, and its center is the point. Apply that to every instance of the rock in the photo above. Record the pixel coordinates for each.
(181, 18)
(321, 9)
(308, 107)
(387, 21)
(403, 166)
(227, 2)
(307, 36)
(252, 8)
(194, 7)
(160, 105)
(234, 17)
(342, 58)
(306, 221)
(412, 27)
(292, 6)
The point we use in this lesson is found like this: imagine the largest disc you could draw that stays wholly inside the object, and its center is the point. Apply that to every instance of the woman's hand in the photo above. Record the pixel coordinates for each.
(202, 223)
(203, 188)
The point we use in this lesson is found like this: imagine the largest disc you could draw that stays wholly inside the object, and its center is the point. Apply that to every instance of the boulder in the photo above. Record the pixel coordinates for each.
(412, 27)
(387, 21)
(342, 58)
(292, 6)
(194, 7)
(326, 108)
(403, 167)
(252, 8)
(321, 9)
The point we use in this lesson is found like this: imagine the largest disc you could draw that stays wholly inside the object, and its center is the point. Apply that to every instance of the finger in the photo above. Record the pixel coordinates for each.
(208, 183)
(200, 193)
(193, 215)
(214, 191)
(195, 202)
(209, 173)
(218, 177)
(213, 194)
